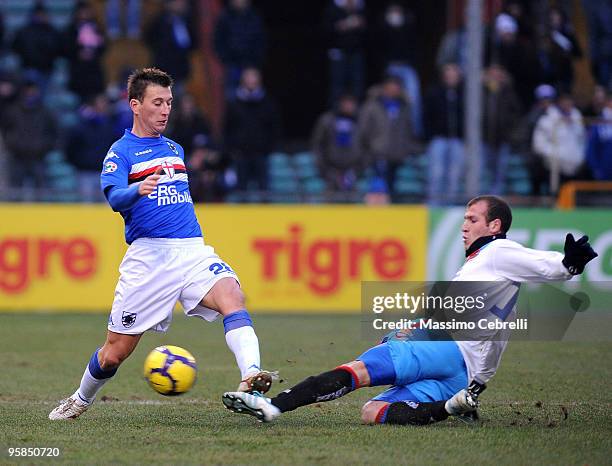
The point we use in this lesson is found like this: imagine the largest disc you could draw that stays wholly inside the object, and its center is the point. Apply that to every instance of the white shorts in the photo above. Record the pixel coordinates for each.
(158, 272)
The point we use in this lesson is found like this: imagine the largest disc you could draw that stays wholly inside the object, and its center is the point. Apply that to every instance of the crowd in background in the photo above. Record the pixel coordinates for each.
(369, 140)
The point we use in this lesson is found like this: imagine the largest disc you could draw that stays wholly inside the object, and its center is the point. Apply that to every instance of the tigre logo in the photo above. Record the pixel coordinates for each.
(167, 195)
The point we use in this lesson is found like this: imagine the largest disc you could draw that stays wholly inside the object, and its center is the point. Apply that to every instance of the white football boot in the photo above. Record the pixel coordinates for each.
(253, 404)
(260, 381)
(70, 408)
(461, 403)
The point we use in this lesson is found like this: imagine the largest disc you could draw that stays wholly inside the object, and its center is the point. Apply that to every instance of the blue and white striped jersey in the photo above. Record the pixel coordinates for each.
(168, 211)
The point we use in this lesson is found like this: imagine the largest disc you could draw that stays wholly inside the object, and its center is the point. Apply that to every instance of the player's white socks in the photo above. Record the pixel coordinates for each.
(242, 340)
(93, 379)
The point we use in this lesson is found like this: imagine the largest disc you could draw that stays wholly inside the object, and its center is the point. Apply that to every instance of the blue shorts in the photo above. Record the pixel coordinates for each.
(420, 371)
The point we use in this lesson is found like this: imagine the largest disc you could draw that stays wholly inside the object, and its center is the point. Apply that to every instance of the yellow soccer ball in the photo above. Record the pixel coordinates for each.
(170, 370)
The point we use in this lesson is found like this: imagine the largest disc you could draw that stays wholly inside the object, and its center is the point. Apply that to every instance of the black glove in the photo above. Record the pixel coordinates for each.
(473, 392)
(577, 254)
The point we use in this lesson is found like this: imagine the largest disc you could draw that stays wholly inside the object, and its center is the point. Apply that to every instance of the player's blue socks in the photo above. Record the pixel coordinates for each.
(93, 379)
(242, 340)
(236, 320)
(97, 371)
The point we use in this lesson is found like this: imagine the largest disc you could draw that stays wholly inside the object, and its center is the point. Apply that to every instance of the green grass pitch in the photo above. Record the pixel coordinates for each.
(549, 403)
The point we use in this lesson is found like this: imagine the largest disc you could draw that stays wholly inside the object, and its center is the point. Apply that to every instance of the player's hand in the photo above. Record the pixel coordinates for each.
(473, 392)
(149, 184)
(577, 254)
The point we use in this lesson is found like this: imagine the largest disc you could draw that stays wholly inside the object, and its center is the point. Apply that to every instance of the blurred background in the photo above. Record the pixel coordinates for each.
(335, 107)
(343, 101)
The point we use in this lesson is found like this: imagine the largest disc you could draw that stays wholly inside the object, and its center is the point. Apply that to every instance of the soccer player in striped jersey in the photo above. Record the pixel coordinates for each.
(144, 179)
(432, 378)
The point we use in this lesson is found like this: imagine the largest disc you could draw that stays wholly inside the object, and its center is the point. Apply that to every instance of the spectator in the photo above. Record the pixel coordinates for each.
(559, 138)
(85, 46)
(87, 144)
(29, 132)
(9, 89)
(187, 122)
(544, 98)
(558, 49)
(38, 44)
(240, 41)
(252, 130)
(599, 149)
(444, 114)
(8, 94)
(210, 174)
(345, 26)
(500, 115)
(599, 15)
(518, 57)
(396, 44)
(336, 144)
(172, 38)
(385, 129)
(119, 104)
(516, 9)
(597, 104)
(2, 34)
(453, 49)
(131, 14)
(377, 194)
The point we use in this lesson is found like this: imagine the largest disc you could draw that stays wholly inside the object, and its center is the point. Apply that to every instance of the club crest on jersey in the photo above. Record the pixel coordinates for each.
(172, 147)
(110, 166)
(128, 319)
(168, 168)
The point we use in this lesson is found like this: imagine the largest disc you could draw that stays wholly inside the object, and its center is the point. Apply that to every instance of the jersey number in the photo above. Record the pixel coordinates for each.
(220, 267)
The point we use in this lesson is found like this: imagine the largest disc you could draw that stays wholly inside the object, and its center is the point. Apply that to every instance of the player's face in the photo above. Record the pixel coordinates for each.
(475, 224)
(154, 110)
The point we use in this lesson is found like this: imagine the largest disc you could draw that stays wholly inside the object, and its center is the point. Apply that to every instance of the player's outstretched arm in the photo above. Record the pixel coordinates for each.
(518, 263)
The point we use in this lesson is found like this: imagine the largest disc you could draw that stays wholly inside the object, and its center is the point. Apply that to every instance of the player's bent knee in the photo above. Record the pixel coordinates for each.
(226, 297)
(359, 371)
(370, 411)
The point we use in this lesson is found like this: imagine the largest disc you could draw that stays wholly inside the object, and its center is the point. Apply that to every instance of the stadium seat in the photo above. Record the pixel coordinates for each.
(17, 12)
(314, 185)
(408, 187)
(278, 159)
(363, 185)
(61, 177)
(304, 159)
(286, 185)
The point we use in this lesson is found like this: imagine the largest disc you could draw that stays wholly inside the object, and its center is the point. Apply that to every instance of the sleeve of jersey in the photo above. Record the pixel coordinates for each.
(115, 170)
(521, 264)
(114, 182)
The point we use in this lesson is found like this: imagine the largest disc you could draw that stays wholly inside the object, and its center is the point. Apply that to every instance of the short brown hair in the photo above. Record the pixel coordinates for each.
(139, 80)
(496, 208)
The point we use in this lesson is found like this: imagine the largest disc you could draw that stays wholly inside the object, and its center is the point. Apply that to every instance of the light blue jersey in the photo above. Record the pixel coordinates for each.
(168, 211)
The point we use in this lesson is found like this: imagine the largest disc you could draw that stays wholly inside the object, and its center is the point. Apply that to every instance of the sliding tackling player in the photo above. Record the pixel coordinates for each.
(432, 379)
